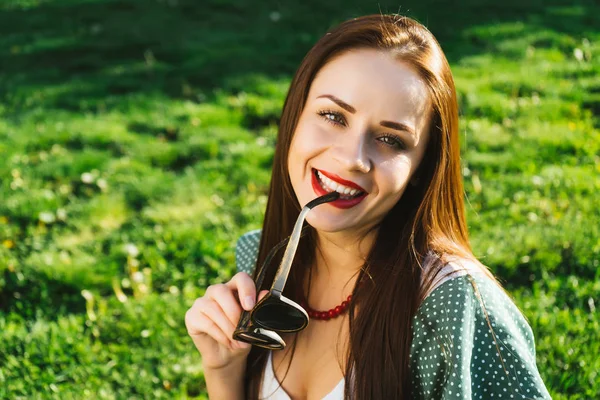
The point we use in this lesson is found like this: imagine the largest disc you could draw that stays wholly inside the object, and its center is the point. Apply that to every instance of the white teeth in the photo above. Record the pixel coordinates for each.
(331, 185)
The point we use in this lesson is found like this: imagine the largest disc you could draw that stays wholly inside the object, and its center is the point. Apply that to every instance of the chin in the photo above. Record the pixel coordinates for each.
(327, 223)
(322, 222)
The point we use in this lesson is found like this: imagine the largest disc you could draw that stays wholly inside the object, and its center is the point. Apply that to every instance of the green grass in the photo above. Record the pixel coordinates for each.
(136, 139)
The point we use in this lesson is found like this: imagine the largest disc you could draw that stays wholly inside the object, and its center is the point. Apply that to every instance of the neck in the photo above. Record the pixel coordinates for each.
(338, 260)
(339, 254)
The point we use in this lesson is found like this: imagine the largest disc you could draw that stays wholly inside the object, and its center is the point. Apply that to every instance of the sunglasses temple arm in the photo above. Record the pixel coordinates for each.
(290, 251)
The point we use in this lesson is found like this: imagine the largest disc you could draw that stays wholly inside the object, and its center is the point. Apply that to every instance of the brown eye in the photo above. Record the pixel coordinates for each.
(393, 141)
(332, 117)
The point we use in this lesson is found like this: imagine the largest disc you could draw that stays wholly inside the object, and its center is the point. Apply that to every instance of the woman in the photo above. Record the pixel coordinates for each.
(372, 114)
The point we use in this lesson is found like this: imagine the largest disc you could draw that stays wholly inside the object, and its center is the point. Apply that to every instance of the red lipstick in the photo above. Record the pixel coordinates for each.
(341, 181)
(339, 203)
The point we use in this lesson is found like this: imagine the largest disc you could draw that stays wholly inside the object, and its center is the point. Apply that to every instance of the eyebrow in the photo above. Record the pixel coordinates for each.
(388, 124)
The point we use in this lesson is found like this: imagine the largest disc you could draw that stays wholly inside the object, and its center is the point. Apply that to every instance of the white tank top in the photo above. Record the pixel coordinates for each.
(270, 389)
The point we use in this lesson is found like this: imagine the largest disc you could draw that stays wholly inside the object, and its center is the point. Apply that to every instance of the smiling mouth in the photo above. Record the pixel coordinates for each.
(330, 185)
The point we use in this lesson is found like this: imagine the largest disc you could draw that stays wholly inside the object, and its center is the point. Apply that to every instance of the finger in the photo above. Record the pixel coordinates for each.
(262, 294)
(214, 311)
(199, 324)
(244, 285)
(224, 297)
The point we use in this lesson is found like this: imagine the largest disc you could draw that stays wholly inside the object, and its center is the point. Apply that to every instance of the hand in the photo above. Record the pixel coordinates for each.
(212, 319)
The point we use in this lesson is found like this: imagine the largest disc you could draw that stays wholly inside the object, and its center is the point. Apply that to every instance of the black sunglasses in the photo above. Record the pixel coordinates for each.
(275, 312)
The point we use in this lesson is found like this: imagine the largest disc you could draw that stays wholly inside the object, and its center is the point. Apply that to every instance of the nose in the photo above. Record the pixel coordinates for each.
(351, 152)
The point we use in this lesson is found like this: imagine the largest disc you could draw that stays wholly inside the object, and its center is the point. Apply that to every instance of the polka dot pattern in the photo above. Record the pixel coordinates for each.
(455, 353)
(246, 251)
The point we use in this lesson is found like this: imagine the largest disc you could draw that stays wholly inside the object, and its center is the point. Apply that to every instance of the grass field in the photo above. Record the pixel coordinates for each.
(136, 139)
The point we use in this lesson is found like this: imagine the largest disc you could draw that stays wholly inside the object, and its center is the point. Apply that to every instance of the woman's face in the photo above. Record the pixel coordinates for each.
(365, 127)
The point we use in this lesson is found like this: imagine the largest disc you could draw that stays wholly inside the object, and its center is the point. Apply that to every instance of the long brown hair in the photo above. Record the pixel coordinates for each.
(428, 219)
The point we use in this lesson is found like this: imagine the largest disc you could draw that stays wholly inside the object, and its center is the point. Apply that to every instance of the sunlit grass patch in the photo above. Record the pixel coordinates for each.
(136, 141)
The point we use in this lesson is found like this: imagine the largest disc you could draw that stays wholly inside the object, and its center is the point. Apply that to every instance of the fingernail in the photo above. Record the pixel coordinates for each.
(248, 302)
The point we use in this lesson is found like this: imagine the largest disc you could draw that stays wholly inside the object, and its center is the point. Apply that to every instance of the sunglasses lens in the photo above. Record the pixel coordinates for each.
(260, 337)
(279, 316)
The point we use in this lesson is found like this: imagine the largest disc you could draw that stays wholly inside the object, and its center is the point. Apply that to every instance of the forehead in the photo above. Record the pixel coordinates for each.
(373, 81)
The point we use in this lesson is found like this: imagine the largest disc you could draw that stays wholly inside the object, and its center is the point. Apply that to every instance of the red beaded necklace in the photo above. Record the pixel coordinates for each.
(326, 315)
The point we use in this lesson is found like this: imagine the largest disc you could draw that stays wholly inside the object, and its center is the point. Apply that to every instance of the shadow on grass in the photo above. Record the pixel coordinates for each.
(38, 294)
(86, 55)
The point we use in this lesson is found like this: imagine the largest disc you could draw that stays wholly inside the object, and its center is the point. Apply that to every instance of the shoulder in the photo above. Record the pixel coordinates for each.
(246, 251)
(469, 338)
(449, 268)
(468, 298)
(470, 294)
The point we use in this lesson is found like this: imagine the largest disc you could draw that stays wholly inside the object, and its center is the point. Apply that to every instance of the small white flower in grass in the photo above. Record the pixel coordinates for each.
(56, 148)
(275, 16)
(64, 189)
(102, 184)
(17, 183)
(86, 177)
(532, 216)
(537, 180)
(138, 277)
(131, 250)
(578, 53)
(142, 288)
(146, 333)
(47, 217)
(61, 214)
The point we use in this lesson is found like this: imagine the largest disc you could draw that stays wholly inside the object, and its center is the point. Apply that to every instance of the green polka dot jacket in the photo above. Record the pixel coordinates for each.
(455, 352)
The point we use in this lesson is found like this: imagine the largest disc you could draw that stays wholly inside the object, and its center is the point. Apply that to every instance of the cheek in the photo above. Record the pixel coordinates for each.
(395, 176)
(308, 141)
